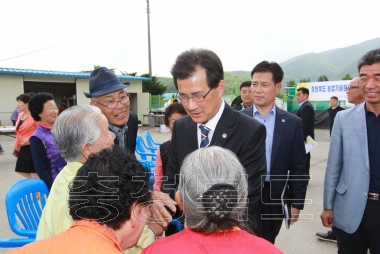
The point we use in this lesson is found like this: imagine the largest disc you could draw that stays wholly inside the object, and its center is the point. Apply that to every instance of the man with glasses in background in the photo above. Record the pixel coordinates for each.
(354, 95)
(198, 77)
(107, 93)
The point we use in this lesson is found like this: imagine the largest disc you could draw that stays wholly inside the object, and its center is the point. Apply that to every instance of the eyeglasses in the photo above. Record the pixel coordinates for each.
(196, 97)
(112, 104)
(351, 87)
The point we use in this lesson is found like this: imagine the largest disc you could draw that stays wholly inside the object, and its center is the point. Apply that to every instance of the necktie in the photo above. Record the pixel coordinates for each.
(204, 136)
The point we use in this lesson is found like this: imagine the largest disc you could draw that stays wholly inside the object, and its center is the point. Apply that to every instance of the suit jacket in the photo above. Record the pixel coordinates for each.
(238, 107)
(288, 160)
(131, 133)
(347, 173)
(307, 115)
(239, 133)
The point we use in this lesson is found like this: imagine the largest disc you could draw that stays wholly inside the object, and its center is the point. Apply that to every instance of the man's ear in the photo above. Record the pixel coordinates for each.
(220, 88)
(92, 103)
(278, 87)
(179, 200)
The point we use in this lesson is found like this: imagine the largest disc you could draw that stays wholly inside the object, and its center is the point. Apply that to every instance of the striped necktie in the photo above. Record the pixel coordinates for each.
(204, 136)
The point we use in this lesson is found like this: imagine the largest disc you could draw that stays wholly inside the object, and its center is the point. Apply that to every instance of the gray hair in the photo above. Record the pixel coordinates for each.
(76, 126)
(369, 58)
(200, 172)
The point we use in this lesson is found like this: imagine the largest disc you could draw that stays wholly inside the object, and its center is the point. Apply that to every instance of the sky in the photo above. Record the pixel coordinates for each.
(76, 35)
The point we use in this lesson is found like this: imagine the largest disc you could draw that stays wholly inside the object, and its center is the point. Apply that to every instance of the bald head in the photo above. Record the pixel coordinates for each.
(353, 92)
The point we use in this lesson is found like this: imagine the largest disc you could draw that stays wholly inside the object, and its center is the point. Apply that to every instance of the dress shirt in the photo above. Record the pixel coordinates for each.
(119, 133)
(211, 124)
(269, 123)
(373, 137)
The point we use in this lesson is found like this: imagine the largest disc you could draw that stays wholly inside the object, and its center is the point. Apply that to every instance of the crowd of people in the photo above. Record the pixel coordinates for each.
(227, 173)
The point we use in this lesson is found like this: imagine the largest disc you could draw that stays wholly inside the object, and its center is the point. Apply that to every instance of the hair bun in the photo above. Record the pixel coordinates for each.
(219, 200)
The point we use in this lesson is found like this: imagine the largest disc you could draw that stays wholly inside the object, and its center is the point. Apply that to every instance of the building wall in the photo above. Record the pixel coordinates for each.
(13, 85)
(10, 88)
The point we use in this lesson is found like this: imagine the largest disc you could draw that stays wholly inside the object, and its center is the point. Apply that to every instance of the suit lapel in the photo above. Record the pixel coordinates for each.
(190, 133)
(359, 122)
(223, 130)
(279, 127)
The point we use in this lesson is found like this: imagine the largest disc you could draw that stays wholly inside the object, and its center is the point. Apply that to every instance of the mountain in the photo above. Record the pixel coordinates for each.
(335, 63)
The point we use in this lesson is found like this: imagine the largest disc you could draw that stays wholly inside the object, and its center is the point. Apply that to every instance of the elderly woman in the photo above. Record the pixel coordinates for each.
(212, 193)
(112, 225)
(25, 126)
(79, 132)
(47, 158)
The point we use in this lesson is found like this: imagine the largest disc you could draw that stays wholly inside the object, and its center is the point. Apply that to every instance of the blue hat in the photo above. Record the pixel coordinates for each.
(104, 81)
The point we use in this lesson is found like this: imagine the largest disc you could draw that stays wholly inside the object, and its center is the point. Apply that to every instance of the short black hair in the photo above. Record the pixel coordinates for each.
(171, 109)
(25, 97)
(369, 58)
(334, 97)
(245, 84)
(271, 67)
(36, 104)
(187, 62)
(304, 90)
(106, 186)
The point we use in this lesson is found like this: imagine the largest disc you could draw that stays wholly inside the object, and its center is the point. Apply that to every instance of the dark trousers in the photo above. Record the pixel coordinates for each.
(366, 236)
(270, 222)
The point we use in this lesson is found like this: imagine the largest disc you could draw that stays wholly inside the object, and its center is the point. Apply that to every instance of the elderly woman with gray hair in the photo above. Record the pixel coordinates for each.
(79, 132)
(212, 192)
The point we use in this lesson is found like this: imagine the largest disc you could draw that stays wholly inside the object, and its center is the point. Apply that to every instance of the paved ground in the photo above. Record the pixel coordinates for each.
(300, 238)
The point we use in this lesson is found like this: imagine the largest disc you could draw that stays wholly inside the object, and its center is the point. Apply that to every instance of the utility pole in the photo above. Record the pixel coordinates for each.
(149, 54)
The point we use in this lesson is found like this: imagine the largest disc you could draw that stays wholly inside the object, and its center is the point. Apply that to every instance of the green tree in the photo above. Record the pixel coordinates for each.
(154, 87)
(169, 83)
(96, 67)
(290, 83)
(347, 77)
(304, 80)
(323, 78)
(128, 74)
(280, 95)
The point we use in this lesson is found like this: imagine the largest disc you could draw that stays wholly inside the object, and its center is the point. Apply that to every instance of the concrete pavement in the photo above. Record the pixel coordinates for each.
(300, 238)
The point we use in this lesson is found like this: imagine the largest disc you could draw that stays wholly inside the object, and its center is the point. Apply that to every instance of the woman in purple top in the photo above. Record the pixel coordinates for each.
(47, 158)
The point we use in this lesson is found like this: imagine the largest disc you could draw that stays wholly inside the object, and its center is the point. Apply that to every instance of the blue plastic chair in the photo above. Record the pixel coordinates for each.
(140, 150)
(149, 170)
(24, 210)
(178, 224)
(150, 141)
(153, 149)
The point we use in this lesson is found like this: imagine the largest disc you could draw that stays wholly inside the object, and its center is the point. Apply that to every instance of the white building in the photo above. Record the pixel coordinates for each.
(66, 87)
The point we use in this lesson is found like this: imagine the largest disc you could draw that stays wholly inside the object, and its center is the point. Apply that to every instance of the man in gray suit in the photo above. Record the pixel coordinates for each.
(352, 181)
(355, 97)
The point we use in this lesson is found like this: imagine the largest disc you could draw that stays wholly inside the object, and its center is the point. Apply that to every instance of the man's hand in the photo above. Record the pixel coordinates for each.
(158, 211)
(327, 218)
(294, 216)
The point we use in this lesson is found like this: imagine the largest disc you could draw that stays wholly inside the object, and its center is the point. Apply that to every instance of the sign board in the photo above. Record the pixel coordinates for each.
(323, 91)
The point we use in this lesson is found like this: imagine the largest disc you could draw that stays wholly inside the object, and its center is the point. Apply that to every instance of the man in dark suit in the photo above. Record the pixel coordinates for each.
(285, 150)
(307, 115)
(107, 92)
(198, 76)
(245, 95)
